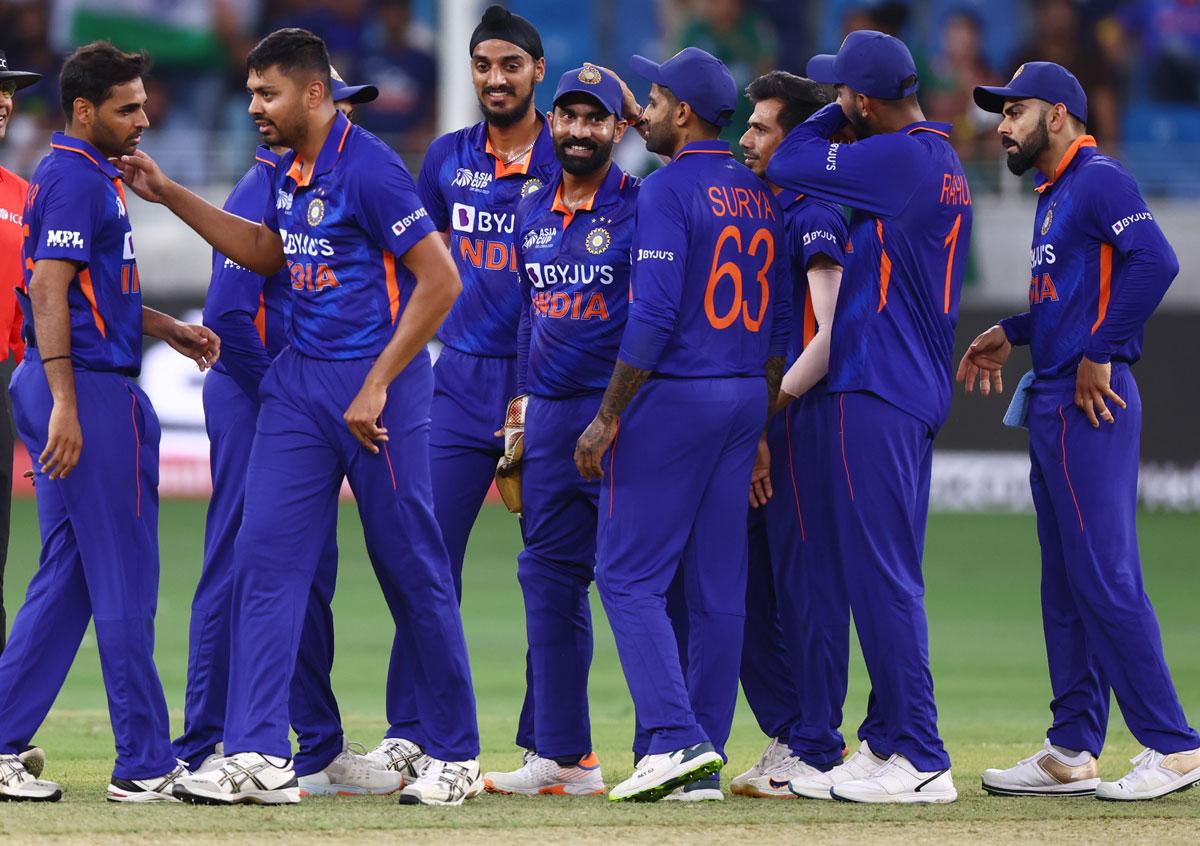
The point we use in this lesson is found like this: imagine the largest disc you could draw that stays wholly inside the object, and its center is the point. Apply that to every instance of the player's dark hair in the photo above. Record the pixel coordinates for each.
(293, 51)
(92, 71)
(800, 96)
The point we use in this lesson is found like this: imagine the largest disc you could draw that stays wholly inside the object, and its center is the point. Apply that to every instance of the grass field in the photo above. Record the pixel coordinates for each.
(989, 667)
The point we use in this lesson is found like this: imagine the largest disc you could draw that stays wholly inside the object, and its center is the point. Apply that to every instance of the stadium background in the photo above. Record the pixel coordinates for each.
(1140, 62)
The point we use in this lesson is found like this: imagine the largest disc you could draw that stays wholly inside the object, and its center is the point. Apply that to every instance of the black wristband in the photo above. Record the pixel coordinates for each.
(46, 361)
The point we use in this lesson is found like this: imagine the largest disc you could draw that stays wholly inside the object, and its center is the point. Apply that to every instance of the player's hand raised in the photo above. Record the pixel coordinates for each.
(363, 416)
(64, 441)
(199, 343)
(1092, 388)
(760, 477)
(142, 175)
(984, 360)
(592, 444)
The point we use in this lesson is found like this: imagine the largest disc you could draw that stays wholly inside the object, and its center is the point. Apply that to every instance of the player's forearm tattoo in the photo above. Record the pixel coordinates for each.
(625, 382)
(776, 365)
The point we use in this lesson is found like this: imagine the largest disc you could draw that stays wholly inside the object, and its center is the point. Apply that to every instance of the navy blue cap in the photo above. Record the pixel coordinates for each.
(593, 81)
(872, 63)
(354, 94)
(1040, 81)
(697, 78)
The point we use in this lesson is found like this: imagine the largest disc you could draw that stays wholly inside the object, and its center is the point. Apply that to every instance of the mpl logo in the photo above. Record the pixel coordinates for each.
(64, 238)
(1120, 225)
(408, 220)
(475, 180)
(283, 200)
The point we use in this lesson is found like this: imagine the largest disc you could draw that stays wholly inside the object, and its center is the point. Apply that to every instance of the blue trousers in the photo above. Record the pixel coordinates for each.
(470, 397)
(556, 569)
(796, 654)
(1101, 630)
(99, 561)
(302, 451)
(229, 418)
(880, 506)
(674, 498)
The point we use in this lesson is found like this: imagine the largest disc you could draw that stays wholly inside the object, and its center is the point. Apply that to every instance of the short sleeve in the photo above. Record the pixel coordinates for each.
(270, 213)
(390, 209)
(428, 190)
(70, 220)
(819, 230)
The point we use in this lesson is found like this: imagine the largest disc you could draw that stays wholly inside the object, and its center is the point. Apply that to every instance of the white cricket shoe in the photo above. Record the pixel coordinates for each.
(351, 774)
(858, 766)
(34, 759)
(247, 778)
(1048, 773)
(444, 783)
(1153, 775)
(657, 775)
(17, 784)
(546, 777)
(212, 761)
(776, 782)
(899, 782)
(704, 790)
(399, 755)
(157, 789)
(772, 755)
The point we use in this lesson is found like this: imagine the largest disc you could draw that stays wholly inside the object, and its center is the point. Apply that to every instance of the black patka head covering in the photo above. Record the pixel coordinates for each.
(500, 23)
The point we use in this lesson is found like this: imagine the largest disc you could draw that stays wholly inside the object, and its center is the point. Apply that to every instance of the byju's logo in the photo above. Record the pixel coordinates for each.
(463, 217)
(408, 220)
(1120, 225)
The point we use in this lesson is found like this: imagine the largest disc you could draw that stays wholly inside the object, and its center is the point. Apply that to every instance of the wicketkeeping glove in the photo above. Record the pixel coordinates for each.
(508, 469)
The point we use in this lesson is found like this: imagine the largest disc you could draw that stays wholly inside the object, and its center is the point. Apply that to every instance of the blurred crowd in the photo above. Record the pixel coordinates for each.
(1139, 60)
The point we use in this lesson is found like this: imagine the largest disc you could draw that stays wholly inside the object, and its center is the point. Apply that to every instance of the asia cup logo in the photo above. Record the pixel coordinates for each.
(316, 212)
(590, 75)
(530, 186)
(598, 240)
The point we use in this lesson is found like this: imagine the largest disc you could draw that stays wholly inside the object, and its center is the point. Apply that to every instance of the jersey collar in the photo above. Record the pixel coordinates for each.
(607, 193)
(942, 129)
(62, 141)
(267, 156)
(714, 147)
(1041, 183)
(521, 166)
(330, 151)
(786, 198)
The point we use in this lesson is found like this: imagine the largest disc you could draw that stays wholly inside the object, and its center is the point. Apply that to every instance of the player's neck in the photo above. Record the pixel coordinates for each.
(511, 142)
(689, 135)
(308, 149)
(79, 133)
(577, 189)
(895, 120)
(1047, 163)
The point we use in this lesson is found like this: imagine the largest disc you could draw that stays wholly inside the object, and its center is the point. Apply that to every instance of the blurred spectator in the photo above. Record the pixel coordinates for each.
(741, 38)
(947, 92)
(1168, 33)
(1058, 36)
(337, 21)
(24, 35)
(397, 59)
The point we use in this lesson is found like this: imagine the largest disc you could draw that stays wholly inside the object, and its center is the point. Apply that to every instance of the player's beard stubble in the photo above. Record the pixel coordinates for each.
(1022, 155)
(507, 117)
(577, 166)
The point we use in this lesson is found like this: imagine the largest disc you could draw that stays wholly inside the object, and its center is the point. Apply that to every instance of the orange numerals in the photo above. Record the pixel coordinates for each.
(762, 242)
(309, 277)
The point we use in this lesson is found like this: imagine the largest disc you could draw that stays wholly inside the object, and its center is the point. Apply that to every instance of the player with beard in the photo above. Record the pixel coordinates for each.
(250, 312)
(470, 182)
(1100, 266)
(93, 437)
(573, 257)
(710, 317)
(348, 399)
(890, 378)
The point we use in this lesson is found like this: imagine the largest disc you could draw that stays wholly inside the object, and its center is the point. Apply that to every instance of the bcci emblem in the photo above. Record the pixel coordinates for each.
(530, 186)
(590, 75)
(1047, 220)
(316, 212)
(1020, 71)
(598, 240)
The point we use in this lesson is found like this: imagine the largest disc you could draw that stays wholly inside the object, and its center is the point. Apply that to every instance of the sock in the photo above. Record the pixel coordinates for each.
(276, 761)
(1069, 754)
(568, 760)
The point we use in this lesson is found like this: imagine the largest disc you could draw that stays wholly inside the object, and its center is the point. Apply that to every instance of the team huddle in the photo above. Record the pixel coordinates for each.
(711, 391)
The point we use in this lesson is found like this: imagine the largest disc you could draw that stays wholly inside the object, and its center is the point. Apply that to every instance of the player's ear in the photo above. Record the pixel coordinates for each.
(82, 111)
(683, 111)
(315, 93)
(539, 70)
(1057, 118)
(619, 130)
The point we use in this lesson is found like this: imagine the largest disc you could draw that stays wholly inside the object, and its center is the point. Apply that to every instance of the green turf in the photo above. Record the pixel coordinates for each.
(989, 667)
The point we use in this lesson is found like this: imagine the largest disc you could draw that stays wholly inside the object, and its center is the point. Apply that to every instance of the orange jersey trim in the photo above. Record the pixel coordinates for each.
(885, 267)
(393, 285)
(1068, 157)
(567, 214)
(1106, 253)
(83, 153)
(519, 167)
(929, 129)
(260, 318)
(89, 293)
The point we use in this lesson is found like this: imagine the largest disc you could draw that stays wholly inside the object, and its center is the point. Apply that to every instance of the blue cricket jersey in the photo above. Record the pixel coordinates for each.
(1100, 266)
(711, 293)
(248, 311)
(811, 227)
(344, 223)
(910, 229)
(75, 211)
(574, 276)
(472, 196)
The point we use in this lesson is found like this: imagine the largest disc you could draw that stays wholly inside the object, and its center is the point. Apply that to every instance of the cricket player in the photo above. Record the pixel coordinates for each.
(890, 377)
(349, 397)
(1100, 266)
(471, 182)
(709, 318)
(93, 437)
(796, 651)
(573, 242)
(250, 313)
